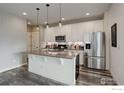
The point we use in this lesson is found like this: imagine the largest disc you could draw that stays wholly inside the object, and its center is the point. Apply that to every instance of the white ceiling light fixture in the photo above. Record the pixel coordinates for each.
(28, 23)
(37, 26)
(24, 13)
(47, 24)
(63, 18)
(87, 14)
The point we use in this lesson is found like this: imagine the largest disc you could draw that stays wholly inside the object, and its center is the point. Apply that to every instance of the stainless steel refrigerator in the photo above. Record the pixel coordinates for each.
(94, 51)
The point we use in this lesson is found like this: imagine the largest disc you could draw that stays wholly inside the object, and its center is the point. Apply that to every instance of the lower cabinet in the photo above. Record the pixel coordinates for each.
(60, 69)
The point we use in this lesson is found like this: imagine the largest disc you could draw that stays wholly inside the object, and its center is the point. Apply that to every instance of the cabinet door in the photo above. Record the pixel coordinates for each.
(36, 63)
(74, 32)
(31, 64)
(50, 34)
(77, 32)
(35, 40)
(56, 32)
(66, 30)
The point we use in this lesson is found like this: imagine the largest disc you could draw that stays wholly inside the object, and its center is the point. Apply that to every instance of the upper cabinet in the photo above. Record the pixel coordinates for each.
(66, 30)
(50, 34)
(77, 32)
(73, 32)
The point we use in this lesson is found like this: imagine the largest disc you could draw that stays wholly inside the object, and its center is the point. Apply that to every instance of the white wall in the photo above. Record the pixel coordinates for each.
(12, 41)
(107, 37)
(73, 32)
(116, 15)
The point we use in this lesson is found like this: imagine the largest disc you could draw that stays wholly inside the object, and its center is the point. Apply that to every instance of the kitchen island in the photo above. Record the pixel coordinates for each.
(61, 66)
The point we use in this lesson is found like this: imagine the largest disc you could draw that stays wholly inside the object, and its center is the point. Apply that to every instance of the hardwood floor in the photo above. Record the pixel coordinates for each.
(21, 76)
(94, 77)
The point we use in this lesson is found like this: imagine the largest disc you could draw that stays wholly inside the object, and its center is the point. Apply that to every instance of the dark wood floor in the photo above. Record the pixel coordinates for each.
(21, 76)
(95, 77)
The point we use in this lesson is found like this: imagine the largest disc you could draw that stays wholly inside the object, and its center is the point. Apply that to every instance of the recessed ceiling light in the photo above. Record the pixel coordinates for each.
(87, 13)
(63, 18)
(45, 22)
(29, 23)
(24, 13)
(37, 28)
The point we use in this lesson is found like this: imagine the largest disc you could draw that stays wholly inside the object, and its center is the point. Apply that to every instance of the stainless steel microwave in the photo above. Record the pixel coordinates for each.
(60, 38)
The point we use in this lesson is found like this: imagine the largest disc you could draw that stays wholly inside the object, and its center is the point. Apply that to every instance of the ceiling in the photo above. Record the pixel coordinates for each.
(70, 11)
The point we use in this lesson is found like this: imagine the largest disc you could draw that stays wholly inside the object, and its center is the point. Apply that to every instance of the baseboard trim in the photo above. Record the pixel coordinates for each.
(7, 69)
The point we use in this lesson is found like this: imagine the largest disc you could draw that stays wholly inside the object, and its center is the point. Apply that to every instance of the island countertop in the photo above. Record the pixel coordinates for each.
(60, 54)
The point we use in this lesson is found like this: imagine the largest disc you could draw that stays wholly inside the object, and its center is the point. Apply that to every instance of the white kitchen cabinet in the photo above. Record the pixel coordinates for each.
(56, 32)
(77, 32)
(73, 32)
(50, 34)
(66, 30)
(35, 40)
(59, 69)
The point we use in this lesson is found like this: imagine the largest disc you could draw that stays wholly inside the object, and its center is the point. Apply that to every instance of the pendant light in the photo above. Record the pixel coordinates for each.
(37, 27)
(47, 25)
(60, 16)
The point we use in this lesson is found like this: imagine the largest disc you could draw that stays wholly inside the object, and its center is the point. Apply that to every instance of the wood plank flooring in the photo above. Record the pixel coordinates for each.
(21, 76)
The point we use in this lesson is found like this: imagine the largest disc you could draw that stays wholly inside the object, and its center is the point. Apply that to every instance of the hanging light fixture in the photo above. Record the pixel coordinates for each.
(47, 25)
(37, 27)
(60, 16)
